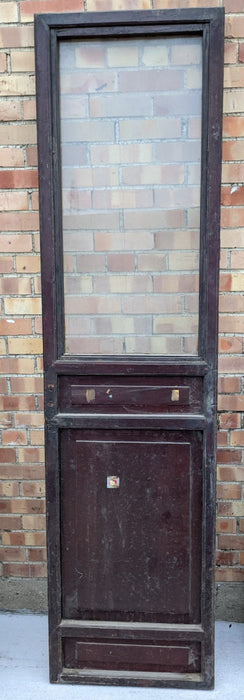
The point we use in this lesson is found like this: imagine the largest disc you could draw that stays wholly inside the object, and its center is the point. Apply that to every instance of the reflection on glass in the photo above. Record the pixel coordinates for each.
(130, 145)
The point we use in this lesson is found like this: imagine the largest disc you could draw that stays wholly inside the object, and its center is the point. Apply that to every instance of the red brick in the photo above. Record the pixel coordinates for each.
(222, 438)
(237, 438)
(225, 282)
(14, 437)
(29, 109)
(225, 508)
(234, 6)
(230, 51)
(15, 285)
(232, 323)
(31, 454)
(233, 238)
(16, 37)
(14, 403)
(27, 221)
(11, 157)
(172, 4)
(22, 385)
(233, 126)
(229, 574)
(233, 150)
(230, 420)
(231, 473)
(16, 366)
(232, 196)
(7, 454)
(231, 365)
(15, 243)
(25, 570)
(21, 505)
(35, 201)
(34, 522)
(227, 558)
(31, 156)
(10, 110)
(10, 522)
(234, 77)
(33, 489)
(3, 382)
(232, 172)
(30, 7)
(12, 179)
(22, 471)
(107, 5)
(241, 53)
(230, 345)
(226, 525)
(229, 385)
(6, 264)
(231, 542)
(3, 62)
(230, 403)
(241, 525)
(21, 326)
(13, 538)
(37, 554)
(12, 554)
(231, 303)
(121, 262)
(35, 420)
(232, 491)
(229, 456)
(10, 201)
(231, 216)
(234, 27)
(24, 538)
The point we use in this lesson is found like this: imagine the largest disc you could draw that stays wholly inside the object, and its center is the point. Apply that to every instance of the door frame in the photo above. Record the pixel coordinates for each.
(49, 29)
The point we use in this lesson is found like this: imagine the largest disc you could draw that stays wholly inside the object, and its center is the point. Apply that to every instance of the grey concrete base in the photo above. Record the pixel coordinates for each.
(230, 602)
(24, 667)
(30, 595)
(23, 594)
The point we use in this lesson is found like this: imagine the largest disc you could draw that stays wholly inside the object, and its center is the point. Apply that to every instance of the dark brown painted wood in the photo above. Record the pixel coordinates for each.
(166, 395)
(111, 630)
(157, 628)
(123, 422)
(97, 395)
(116, 564)
(135, 367)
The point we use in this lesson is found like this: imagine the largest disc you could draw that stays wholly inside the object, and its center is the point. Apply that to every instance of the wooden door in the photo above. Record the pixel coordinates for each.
(129, 124)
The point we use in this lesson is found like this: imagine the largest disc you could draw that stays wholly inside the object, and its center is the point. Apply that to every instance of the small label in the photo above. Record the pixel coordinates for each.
(90, 395)
(112, 482)
(175, 395)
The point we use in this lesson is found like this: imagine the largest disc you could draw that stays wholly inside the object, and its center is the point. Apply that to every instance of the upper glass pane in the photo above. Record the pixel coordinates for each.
(130, 148)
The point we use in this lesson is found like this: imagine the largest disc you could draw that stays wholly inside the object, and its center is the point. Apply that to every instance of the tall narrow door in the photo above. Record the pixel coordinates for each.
(129, 114)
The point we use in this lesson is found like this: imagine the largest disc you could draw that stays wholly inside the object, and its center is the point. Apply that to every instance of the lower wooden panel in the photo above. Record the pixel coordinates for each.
(131, 512)
(131, 545)
(157, 657)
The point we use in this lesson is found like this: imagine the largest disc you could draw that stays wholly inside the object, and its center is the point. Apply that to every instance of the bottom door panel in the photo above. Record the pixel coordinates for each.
(177, 657)
(131, 510)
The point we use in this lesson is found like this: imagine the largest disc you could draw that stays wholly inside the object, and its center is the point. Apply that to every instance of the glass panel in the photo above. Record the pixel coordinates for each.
(130, 145)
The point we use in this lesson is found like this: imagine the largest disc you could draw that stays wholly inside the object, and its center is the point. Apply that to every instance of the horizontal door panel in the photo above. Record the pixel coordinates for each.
(148, 657)
(131, 395)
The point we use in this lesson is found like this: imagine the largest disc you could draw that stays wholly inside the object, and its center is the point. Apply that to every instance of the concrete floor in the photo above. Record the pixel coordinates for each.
(24, 667)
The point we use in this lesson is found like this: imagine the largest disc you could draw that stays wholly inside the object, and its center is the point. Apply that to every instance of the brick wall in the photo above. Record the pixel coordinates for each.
(22, 548)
